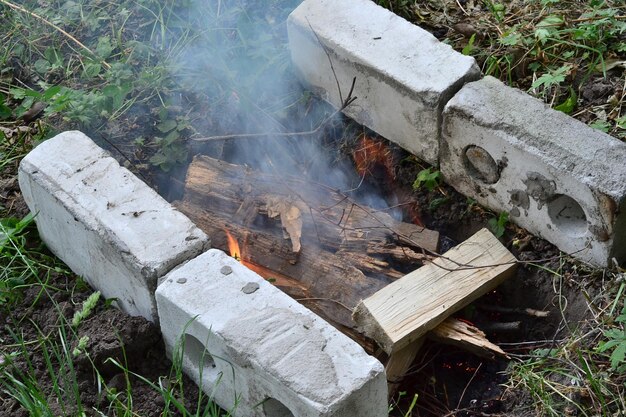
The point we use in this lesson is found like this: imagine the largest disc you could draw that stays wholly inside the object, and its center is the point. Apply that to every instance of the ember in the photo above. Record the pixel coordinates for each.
(370, 155)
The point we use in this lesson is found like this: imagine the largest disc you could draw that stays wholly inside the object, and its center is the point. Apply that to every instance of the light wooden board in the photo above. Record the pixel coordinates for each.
(405, 310)
(458, 333)
(398, 365)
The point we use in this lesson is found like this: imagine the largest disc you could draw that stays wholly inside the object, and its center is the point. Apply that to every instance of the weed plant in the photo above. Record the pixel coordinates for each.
(550, 48)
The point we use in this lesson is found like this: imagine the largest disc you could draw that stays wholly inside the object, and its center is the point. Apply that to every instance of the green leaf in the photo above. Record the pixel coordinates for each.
(104, 47)
(51, 92)
(167, 125)
(92, 70)
(553, 77)
(428, 178)
(171, 137)
(42, 66)
(601, 125)
(569, 104)
(498, 225)
(54, 57)
(618, 355)
(552, 21)
(5, 111)
(467, 49)
(511, 39)
(17, 93)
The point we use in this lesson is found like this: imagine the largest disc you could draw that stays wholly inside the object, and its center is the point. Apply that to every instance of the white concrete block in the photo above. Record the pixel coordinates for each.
(557, 177)
(103, 222)
(262, 350)
(404, 75)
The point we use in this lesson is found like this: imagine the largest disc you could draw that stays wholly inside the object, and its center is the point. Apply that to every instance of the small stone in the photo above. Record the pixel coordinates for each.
(250, 287)
(181, 280)
(226, 270)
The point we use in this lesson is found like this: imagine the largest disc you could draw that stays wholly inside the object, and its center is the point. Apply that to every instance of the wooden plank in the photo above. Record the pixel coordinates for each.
(459, 333)
(399, 363)
(408, 308)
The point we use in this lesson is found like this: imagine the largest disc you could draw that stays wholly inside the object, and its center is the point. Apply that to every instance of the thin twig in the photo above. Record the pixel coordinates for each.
(330, 61)
(261, 134)
(36, 16)
(124, 156)
(325, 299)
(461, 7)
(468, 384)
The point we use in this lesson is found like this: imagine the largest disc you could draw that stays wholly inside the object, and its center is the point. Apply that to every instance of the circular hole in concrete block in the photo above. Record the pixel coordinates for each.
(567, 215)
(197, 353)
(480, 165)
(274, 408)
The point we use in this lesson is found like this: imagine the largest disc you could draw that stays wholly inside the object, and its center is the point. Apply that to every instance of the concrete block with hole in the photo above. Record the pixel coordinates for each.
(404, 75)
(105, 223)
(247, 343)
(555, 176)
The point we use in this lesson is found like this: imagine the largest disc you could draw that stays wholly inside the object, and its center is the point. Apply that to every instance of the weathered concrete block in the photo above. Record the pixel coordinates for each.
(557, 177)
(247, 343)
(404, 76)
(103, 222)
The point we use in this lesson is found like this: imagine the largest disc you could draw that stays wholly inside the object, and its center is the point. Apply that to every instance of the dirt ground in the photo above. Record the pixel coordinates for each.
(131, 341)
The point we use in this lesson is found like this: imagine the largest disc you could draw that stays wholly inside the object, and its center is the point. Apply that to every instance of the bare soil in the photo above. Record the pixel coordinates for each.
(133, 342)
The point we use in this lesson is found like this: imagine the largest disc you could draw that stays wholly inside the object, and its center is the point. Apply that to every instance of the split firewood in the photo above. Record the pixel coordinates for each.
(459, 333)
(408, 308)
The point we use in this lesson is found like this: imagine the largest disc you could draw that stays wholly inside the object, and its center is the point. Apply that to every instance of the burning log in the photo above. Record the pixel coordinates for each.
(308, 239)
(329, 218)
(326, 283)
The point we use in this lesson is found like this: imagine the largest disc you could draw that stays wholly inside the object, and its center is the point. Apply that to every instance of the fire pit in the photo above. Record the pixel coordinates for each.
(378, 278)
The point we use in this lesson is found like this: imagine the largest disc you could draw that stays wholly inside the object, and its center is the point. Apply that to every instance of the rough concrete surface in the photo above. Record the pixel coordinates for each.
(404, 76)
(103, 222)
(261, 348)
(557, 177)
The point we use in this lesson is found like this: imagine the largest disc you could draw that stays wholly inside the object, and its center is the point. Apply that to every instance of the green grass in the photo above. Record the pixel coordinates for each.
(26, 265)
(580, 374)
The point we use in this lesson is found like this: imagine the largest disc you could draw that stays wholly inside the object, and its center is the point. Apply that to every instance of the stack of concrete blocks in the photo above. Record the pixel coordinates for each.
(555, 176)
(252, 348)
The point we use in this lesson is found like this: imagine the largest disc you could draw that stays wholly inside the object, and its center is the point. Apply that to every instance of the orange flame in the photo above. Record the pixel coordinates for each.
(233, 246)
(371, 153)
